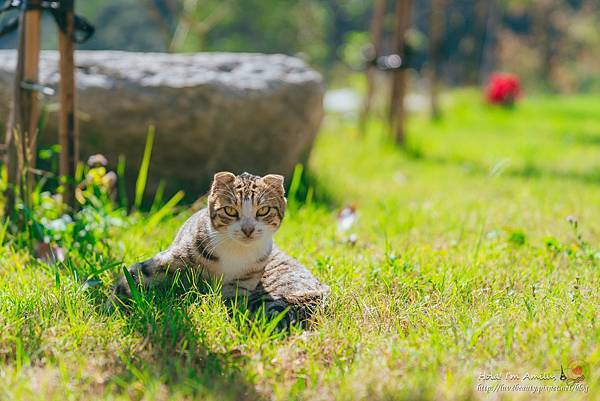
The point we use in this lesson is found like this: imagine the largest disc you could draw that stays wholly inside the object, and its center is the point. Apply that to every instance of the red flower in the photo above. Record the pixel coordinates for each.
(503, 89)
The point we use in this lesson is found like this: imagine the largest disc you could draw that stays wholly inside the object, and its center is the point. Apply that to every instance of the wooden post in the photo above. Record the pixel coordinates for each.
(489, 44)
(435, 49)
(67, 126)
(399, 76)
(376, 31)
(22, 128)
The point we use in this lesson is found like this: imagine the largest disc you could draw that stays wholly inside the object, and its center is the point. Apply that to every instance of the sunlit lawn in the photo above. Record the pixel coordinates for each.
(464, 263)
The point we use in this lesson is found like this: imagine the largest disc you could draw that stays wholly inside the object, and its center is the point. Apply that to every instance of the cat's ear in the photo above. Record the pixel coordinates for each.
(223, 178)
(274, 181)
(220, 180)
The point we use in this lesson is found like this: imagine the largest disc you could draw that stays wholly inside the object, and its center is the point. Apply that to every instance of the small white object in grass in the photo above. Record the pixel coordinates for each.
(492, 234)
(346, 218)
(352, 239)
(400, 178)
(572, 220)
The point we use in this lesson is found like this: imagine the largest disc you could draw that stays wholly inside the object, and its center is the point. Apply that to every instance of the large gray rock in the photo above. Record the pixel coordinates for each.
(219, 111)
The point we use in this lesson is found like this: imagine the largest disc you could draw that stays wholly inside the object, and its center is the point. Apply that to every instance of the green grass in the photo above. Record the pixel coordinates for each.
(464, 263)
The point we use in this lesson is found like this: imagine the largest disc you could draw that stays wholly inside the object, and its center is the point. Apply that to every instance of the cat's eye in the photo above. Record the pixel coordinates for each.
(230, 211)
(263, 211)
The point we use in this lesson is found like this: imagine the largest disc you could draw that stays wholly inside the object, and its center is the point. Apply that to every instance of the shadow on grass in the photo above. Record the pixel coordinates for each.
(178, 350)
(528, 171)
(305, 189)
(584, 138)
(174, 353)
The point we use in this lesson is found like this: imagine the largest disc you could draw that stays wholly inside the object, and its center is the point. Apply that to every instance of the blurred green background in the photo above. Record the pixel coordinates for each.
(551, 44)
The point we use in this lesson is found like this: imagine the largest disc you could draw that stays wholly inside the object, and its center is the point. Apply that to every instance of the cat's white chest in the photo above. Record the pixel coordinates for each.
(235, 260)
(231, 266)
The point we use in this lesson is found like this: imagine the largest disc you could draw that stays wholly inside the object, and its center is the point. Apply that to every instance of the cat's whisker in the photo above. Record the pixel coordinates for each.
(210, 251)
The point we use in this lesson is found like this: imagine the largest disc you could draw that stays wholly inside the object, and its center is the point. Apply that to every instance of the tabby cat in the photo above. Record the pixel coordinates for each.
(230, 240)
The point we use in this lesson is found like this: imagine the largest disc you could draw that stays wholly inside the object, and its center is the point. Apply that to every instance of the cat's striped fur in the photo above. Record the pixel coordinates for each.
(287, 284)
(231, 240)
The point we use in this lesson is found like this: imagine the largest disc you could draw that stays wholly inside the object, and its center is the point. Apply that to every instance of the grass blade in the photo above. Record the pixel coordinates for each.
(56, 276)
(166, 209)
(140, 185)
(295, 184)
(135, 294)
(124, 202)
(158, 197)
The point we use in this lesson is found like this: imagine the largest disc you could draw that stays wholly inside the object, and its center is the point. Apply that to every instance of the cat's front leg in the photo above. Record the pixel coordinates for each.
(232, 290)
(243, 285)
(148, 272)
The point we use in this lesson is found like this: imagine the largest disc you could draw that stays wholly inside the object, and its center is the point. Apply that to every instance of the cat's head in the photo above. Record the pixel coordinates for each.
(246, 207)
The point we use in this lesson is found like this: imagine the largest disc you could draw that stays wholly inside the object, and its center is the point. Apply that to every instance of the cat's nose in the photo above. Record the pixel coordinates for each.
(247, 229)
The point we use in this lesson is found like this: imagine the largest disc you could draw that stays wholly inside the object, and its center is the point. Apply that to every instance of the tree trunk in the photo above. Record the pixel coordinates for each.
(399, 76)
(67, 125)
(488, 61)
(22, 128)
(376, 35)
(437, 34)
